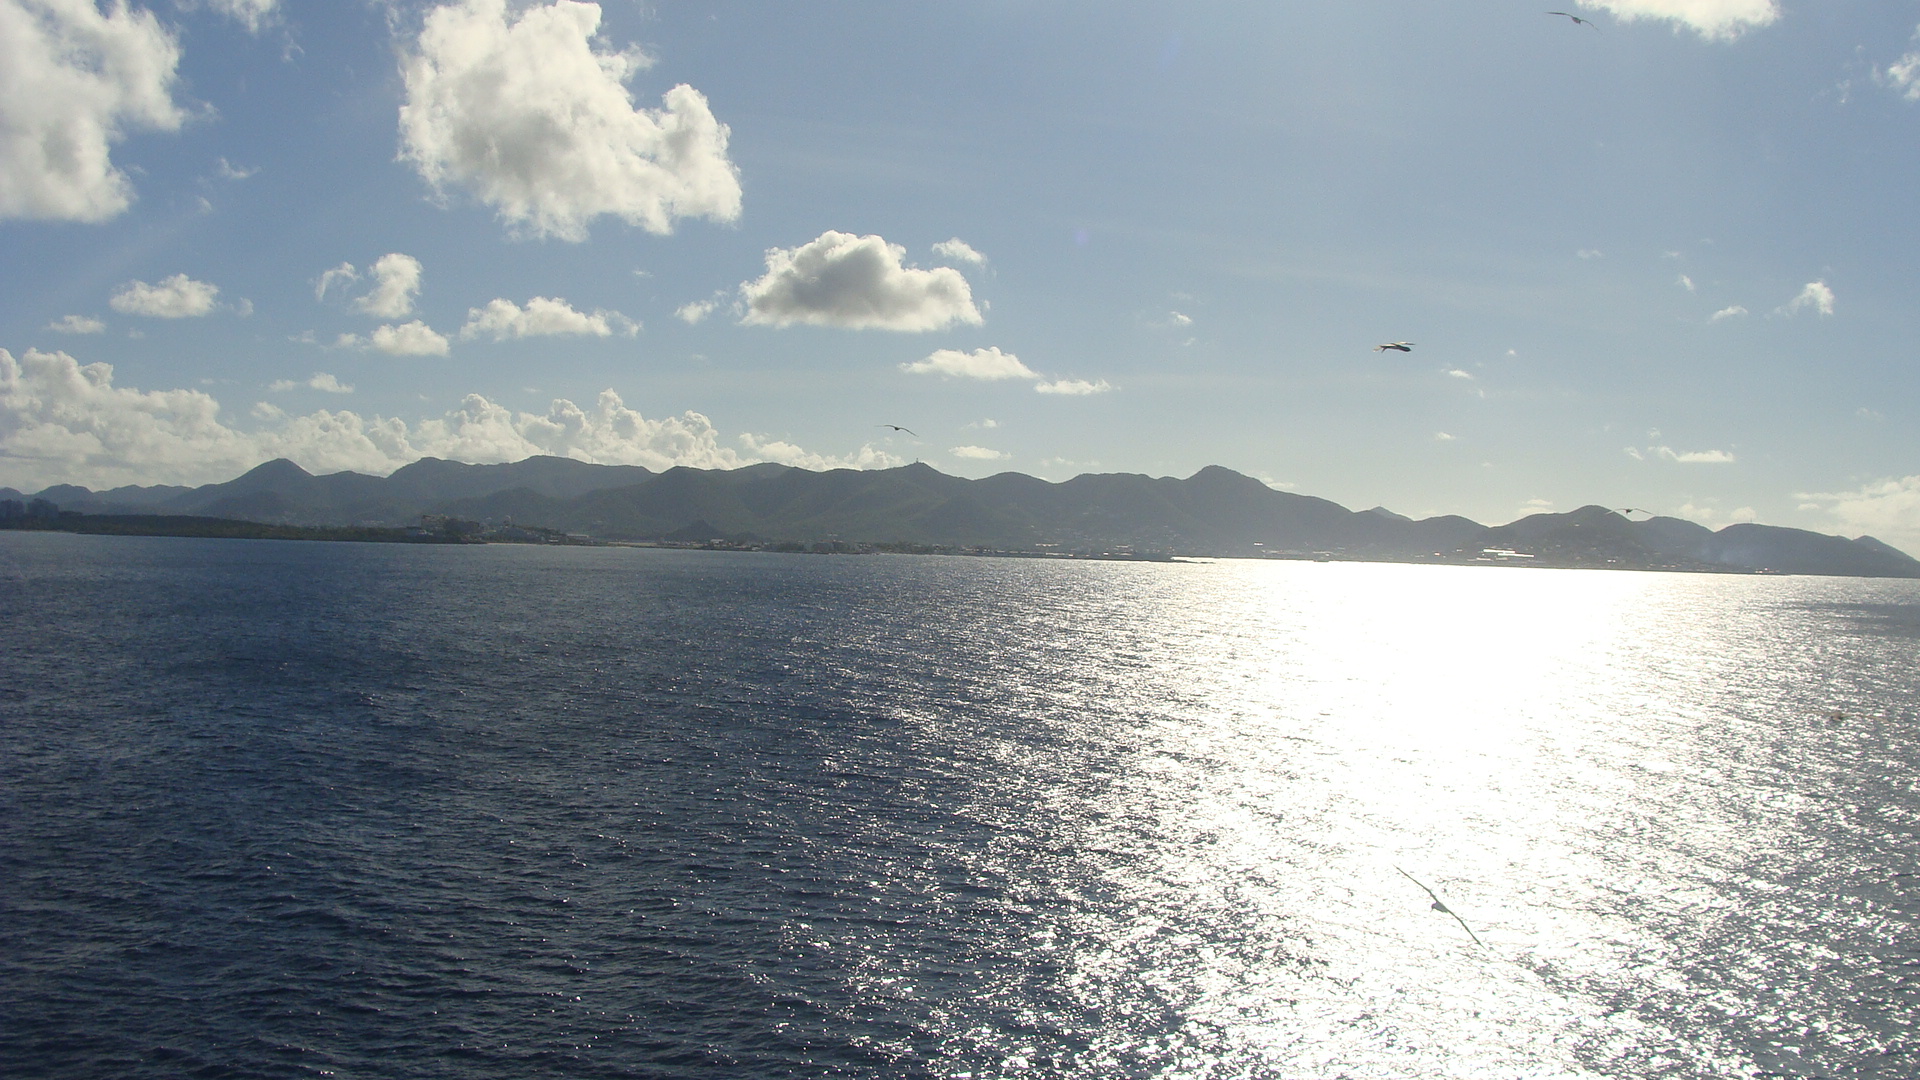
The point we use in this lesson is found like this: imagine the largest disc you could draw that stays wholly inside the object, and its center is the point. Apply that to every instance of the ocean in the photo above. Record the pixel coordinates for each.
(280, 809)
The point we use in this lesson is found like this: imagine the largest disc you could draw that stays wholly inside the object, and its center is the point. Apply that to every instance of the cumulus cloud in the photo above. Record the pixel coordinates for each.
(1684, 282)
(1711, 19)
(321, 381)
(407, 339)
(978, 453)
(65, 422)
(542, 317)
(1074, 387)
(1456, 373)
(396, 281)
(77, 324)
(1732, 312)
(524, 111)
(1815, 296)
(856, 283)
(1887, 509)
(74, 81)
(959, 250)
(989, 363)
(1683, 457)
(693, 313)
(177, 297)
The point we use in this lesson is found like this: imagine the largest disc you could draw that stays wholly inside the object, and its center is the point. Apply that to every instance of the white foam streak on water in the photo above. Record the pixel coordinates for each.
(1591, 769)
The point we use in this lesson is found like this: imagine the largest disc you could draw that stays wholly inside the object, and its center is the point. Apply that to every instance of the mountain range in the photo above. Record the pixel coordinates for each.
(1214, 512)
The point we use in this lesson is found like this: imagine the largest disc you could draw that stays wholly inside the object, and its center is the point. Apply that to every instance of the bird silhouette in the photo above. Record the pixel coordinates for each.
(897, 427)
(1577, 20)
(1441, 907)
(1396, 346)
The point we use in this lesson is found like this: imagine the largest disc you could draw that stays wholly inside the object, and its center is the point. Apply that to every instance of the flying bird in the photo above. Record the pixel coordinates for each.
(1438, 906)
(897, 427)
(1396, 346)
(1629, 511)
(1577, 20)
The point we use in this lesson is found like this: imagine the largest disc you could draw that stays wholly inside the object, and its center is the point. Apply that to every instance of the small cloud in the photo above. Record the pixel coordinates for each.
(542, 317)
(344, 274)
(1865, 413)
(408, 339)
(1175, 318)
(1686, 457)
(1277, 485)
(1074, 387)
(230, 171)
(856, 283)
(978, 453)
(177, 297)
(263, 410)
(1903, 75)
(989, 363)
(1590, 253)
(692, 313)
(253, 14)
(1441, 436)
(1684, 282)
(321, 381)
(77, 324)
(1459, 374)
(1734, 312)
(1815, 295)
(396, 280)
(959, 250)
(984, 424)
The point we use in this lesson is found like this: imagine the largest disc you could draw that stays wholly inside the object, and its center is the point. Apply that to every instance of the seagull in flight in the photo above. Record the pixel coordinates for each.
(1438, 906)
(897, 427)
(1396, 346)
(1577, 20)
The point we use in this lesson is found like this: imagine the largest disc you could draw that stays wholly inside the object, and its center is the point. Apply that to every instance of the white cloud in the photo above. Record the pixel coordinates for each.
(542, 317)
(77, 324)
(396, 281)
(1456, 373)
(1711, 19)
(230, 171)
(1887, 509)
(856, 283)
(253, 14)
(1733, 312)
(1590, 253)
(177, 297)
(694, 312)
(1074, 387)
(407, 339)
(64, 422)
(321, 381)
(1175, 318)
(959, 251)
(344, 274)
(989, 363)
(1903, 74)
(74, 81)
(1816, 295)
(1686, 457)
(1684, 282)
(978, 453)
(1441, 436)
(522, 109)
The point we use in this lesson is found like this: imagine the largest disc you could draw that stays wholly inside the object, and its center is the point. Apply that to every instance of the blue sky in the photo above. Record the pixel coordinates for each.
(1664, 260)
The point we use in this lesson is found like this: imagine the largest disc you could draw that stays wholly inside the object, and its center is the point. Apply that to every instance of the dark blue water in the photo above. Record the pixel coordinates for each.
(278, 809)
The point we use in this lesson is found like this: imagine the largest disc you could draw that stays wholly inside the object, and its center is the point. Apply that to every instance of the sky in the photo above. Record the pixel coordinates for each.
(1662, 258)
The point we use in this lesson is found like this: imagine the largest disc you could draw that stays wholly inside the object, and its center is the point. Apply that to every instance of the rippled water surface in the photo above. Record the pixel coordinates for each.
(279, 809)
